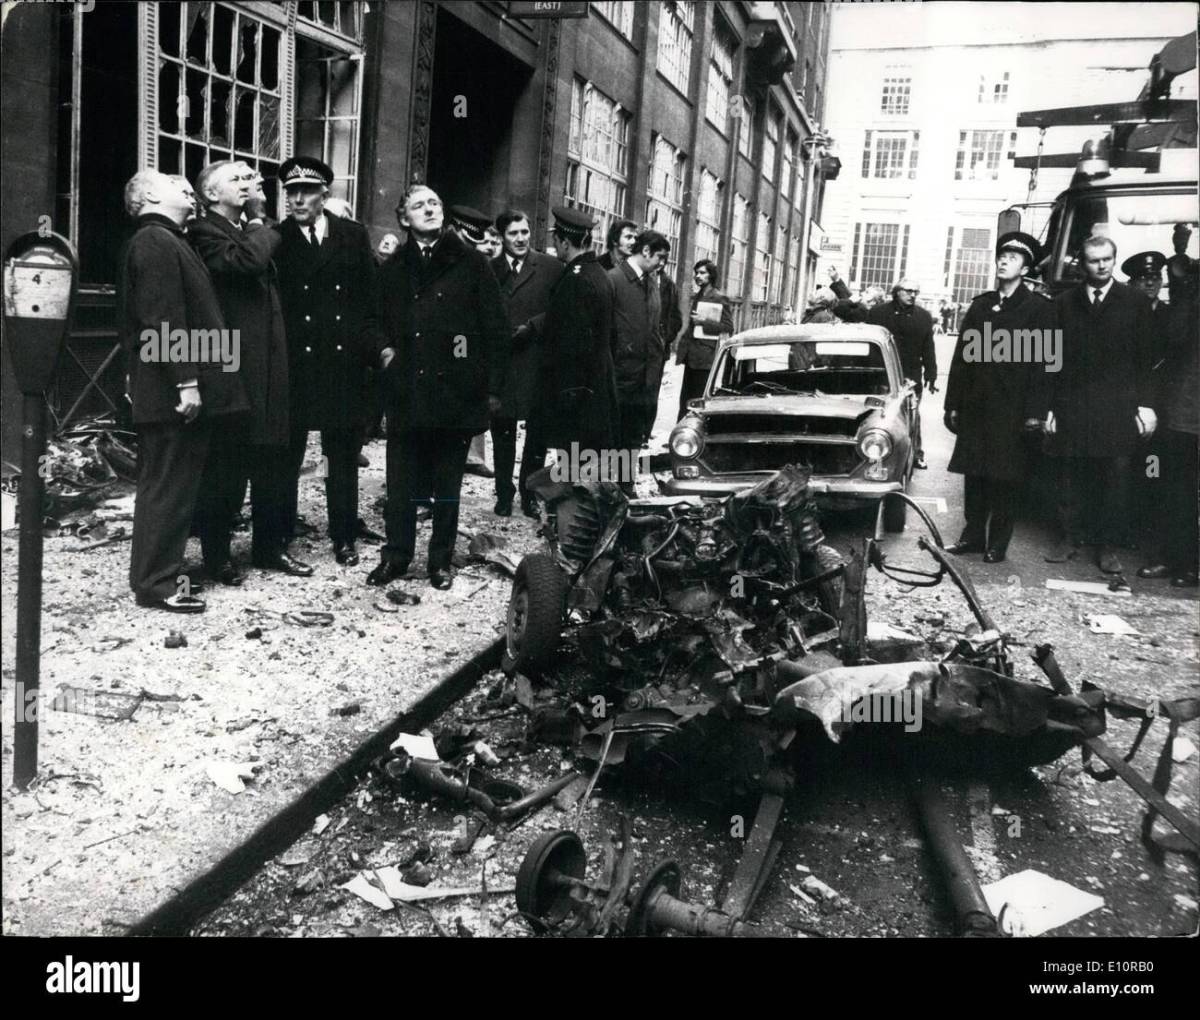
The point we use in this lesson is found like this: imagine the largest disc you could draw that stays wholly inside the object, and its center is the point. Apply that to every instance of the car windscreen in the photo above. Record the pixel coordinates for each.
(1135, 222)
(817, 367)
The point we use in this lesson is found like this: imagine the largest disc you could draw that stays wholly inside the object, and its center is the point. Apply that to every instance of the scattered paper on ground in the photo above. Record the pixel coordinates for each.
(1086, 587)
(1034, 903)
(1108, 623)
(229, 775)
(416, 745)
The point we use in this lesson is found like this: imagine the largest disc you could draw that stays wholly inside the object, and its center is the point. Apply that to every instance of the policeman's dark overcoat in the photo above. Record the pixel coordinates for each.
(329, 306)
(446, 322)
(243, 274)
(994, 399)
(579, 389)
(526, 297)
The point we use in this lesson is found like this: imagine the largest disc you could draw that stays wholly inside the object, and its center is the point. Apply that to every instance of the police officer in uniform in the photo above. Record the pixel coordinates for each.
(579, 387)
(327, 283)
(472, 228)
(990, 405)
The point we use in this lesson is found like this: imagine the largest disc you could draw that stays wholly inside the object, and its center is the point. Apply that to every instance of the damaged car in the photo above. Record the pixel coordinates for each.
(831, 397)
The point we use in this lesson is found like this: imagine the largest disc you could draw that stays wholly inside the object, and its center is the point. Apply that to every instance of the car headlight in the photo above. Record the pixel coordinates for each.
(875, 444)
(686, 442)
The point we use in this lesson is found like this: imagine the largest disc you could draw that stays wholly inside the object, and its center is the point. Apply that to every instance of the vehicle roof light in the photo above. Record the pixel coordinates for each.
(1094, 159)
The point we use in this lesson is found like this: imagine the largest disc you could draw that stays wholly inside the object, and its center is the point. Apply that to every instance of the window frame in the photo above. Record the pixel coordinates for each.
(676, 34)
(584, 164)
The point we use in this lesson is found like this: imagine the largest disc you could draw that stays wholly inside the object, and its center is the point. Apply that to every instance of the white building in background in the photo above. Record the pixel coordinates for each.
(922, 102)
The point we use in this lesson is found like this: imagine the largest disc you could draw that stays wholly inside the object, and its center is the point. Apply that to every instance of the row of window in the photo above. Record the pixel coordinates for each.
(879, 257)
(891, 155)
(896, 91)
(598, 177)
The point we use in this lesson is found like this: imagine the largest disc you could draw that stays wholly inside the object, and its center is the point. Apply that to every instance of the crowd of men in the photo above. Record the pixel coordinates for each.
(1112, 417)
(461, 329)
(464, 328)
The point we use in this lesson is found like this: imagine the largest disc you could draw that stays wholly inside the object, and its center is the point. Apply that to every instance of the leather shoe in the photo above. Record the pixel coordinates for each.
(1109, 561)
(441, 579)
(961, 547)
(529, 507)
(503, 507)
(226, 574)
(385, 572)
(1154, 572)
(345, 553)
(994, 556)
(479, 469)
(1188, 579)
(1060, 552)
(285, 564)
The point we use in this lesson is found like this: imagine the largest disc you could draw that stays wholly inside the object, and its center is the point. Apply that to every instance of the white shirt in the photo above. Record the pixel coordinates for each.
(322, 225)
(1091, 291)
(637, 270)
(513, 261)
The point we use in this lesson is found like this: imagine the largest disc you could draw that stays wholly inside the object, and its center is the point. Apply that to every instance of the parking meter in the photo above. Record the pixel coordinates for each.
(40, 273)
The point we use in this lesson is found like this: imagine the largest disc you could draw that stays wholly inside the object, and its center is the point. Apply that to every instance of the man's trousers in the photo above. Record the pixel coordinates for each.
(504, 453)
(985, 497)
(339, 465)
(170, 466)
(1094, 499)
(232, 463)
(423, 465)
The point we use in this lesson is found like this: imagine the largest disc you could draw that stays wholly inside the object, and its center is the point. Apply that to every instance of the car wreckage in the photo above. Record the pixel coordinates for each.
(717, 631)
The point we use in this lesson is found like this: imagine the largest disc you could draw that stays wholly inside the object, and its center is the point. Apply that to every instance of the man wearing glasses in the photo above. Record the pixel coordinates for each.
(912, 327)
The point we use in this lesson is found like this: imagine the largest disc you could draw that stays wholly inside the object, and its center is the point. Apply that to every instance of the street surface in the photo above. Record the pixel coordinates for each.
(849, 820)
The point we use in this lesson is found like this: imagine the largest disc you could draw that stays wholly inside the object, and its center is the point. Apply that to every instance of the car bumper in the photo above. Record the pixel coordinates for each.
(832, 492)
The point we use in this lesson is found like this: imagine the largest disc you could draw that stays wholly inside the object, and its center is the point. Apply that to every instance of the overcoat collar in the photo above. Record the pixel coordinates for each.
(334, 238)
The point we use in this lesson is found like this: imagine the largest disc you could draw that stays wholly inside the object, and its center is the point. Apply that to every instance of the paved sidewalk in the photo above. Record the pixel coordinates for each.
(125, 813)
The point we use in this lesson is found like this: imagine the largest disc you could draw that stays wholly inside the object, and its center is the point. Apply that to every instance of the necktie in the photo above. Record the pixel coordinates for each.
(516, 267)
(1096, 296)
(427, 253)
(312, 236)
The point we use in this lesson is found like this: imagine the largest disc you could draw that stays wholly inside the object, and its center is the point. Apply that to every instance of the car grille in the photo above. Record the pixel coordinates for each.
(777, 424)
(822, 458)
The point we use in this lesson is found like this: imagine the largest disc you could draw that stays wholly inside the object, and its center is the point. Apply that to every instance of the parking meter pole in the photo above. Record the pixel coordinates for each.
(29, 593)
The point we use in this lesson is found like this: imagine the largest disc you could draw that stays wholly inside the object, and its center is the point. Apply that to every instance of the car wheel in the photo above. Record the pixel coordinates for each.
(895, 513)
(536, 610)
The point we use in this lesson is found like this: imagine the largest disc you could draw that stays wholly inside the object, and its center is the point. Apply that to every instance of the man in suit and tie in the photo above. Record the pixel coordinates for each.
(327, 281)
(526, 279)
(1101, 403)
(445, 360)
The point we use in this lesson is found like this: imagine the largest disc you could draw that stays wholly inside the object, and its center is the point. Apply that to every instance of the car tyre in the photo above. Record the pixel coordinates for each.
(536, 610)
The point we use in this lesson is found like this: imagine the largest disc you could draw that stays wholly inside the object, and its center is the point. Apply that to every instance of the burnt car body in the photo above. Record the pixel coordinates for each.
(829, 397)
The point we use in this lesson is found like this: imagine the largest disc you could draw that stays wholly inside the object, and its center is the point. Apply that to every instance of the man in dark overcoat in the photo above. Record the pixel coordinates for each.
(996, 394)
(446, 358)
(1101, 403)
(526, 279)
(578, 391)
(239, 258)
(163, 285)
(912, 328)
(639, 348)
(327, 283)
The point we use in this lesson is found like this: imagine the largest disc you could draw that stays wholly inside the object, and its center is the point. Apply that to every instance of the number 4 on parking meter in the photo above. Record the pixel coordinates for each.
(40, 270)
